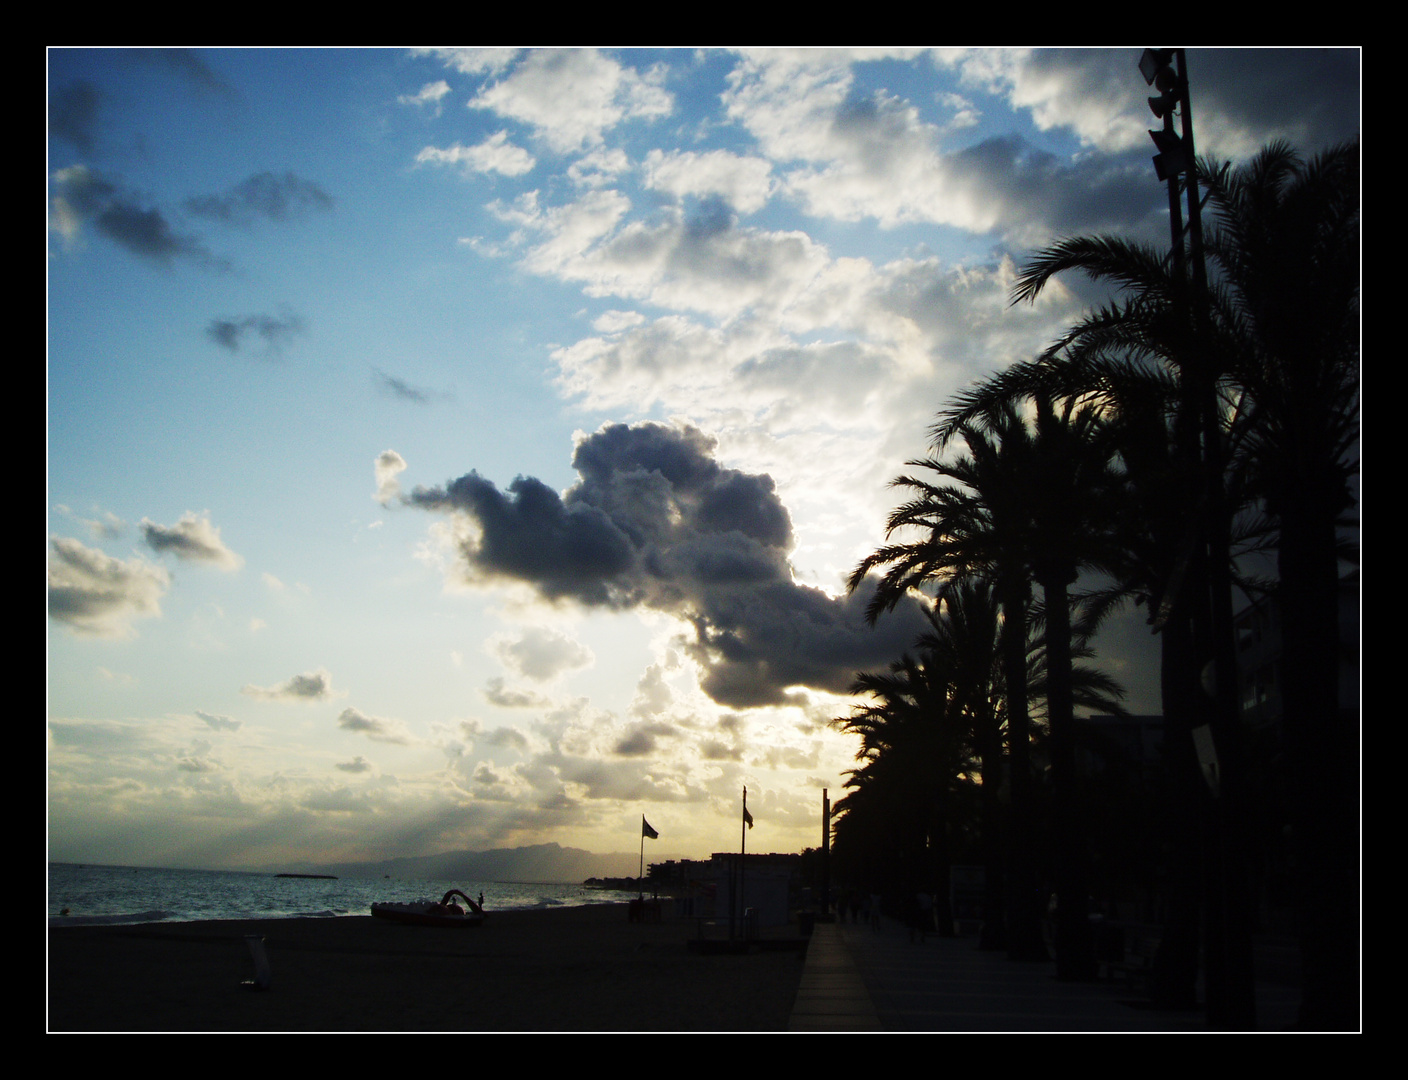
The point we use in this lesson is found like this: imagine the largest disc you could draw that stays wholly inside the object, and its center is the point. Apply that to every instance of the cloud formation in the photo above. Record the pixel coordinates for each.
(273, 331)
(311, 686)
(540, 654)
(192, 539)
(571, 97)
(73, 114)
(90, 592)
(494, 154)
(277, 197)
(389, 465)
(375, 728)
(217, 722)
(83, 195)
(656, 522)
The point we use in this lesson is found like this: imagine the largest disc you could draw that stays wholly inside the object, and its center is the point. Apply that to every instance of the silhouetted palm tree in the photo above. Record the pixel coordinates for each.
(1279, 335)
(1286, 244)
(971, 521)
(917, 759)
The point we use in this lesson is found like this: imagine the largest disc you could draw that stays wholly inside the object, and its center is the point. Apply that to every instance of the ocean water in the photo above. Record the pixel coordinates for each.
(135, 894)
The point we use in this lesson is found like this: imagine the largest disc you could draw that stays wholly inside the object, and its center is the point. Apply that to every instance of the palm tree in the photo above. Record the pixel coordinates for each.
(1118, 362)
(916, 763)
(1024, 502)
(1279, 334)
(1286, 243)
(971, 521)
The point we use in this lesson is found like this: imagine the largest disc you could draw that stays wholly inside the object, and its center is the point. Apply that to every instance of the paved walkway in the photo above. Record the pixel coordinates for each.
(857, 979)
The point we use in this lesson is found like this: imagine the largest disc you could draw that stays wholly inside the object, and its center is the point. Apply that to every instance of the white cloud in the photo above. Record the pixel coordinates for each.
(193, 539)
(471, 61)
(389, 465)
(430, 94)
(93, 593)
(539, 653)
(573, 96)
(494, 154)
(1095, 93)
(744, 182)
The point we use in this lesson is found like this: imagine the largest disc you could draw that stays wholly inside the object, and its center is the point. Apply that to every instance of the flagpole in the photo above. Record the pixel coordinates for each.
(743, 860)
(640, 874)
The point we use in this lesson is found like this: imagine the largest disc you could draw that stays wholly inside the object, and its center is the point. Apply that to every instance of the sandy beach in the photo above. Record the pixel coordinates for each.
(583, 969)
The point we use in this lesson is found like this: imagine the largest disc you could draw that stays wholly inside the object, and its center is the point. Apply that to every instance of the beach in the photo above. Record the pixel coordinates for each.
(579, 969)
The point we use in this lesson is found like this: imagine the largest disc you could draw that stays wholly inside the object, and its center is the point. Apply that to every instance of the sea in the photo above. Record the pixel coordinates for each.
(87, 895)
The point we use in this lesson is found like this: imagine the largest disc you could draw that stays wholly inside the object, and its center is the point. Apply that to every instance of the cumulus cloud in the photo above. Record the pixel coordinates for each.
(92, 593)
(359, 764)
(475, 61)
(497, 692)
(655, 521)
(311, 686)
(573, 96)
(505, 738)
(429, 94)
(854, 154)
(375, 728)
(643, 739)
(274, 331)
(539, 653)
(494, 154)
(192, 539)
(389, 465)
(275, 196)
(743, 182)
(217, 722)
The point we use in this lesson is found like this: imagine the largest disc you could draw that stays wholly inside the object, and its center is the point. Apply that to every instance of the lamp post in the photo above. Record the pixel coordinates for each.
(1231, 999)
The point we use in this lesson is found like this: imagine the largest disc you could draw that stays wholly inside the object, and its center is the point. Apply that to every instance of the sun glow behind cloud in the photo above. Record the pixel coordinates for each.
(649, 332)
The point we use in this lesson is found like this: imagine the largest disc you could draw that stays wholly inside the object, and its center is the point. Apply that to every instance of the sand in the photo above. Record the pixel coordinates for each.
(561, 970)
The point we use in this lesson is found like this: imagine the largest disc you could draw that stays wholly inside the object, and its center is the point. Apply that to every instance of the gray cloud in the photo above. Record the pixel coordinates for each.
(91, 592)
(192, 538)
(655, 521)
(496, 693)
(374, 727)
(402, 390)
(264, 195)
(81, 194)
(310, 686)
(187, 65)
(73, 114)
(506, 738)
(218, 722)
(273, 331)
(642, 739)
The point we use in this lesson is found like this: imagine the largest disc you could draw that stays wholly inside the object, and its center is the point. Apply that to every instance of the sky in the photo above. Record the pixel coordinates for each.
(468, 448)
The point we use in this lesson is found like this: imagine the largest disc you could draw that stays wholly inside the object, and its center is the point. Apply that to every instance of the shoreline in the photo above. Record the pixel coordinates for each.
(574, 969)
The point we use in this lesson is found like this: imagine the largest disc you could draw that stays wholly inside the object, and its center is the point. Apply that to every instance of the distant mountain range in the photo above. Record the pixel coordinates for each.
(536, 863)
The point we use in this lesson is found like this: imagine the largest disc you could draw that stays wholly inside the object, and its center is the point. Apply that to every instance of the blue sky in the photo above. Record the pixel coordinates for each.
(467, 448)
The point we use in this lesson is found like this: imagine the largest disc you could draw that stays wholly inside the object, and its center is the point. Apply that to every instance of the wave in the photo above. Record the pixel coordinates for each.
(108, 920)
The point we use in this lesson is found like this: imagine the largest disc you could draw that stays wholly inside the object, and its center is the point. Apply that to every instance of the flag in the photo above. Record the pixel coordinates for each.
(747, 818)
(646, 830)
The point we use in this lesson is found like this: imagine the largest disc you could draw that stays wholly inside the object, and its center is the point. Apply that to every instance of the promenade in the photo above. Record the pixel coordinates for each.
(858, 979)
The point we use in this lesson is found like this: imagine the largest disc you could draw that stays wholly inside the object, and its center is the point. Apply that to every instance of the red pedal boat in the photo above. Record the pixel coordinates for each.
(429, 913)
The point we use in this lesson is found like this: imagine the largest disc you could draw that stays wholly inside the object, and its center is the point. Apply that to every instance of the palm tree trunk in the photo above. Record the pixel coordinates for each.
(1323, 744)
(1173, 980)
(1024, 937)
(1075, 944)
